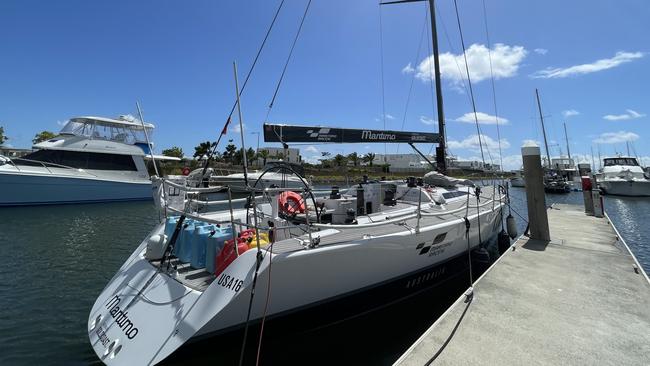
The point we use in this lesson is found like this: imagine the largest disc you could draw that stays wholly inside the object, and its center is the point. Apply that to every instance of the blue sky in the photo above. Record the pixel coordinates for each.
(589, 60)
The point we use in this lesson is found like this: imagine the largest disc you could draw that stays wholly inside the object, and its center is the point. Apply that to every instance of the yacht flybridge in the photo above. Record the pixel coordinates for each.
(622, 176)
(92, 159)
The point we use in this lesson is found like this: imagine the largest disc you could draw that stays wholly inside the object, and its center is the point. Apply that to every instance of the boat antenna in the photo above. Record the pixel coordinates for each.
(146, 137)
(600, 161)
(241, 126)
(566, 137)
(541, 117)
(441, 159)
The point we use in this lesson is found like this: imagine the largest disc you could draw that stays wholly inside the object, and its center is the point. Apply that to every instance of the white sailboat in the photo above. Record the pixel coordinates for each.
(289, 254)
(92, 159)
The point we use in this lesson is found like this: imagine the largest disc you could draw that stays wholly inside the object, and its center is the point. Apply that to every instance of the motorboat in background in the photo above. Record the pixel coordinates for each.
(622, 176)
(556, 183)
(275, 174)
(518, 180)
(92, 159)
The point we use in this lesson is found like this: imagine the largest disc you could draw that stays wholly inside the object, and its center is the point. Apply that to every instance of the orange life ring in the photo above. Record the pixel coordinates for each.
(291, 203)
(186, 171)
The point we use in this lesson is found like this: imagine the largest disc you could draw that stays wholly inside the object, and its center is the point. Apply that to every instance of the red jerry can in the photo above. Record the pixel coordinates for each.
(227, 255)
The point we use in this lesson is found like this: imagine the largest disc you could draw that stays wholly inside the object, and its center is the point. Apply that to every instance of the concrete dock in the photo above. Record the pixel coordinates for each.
(576, 300)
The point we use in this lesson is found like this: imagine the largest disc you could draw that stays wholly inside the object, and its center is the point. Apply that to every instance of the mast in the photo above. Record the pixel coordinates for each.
(627, 145)
(566, 137)
(541, 117)
(441, 158)
(593, 163)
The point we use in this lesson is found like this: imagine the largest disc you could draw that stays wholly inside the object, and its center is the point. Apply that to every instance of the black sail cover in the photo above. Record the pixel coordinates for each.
(316, 134)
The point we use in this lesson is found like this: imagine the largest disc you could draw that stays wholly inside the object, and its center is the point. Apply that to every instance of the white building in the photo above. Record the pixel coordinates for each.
(403, 161)
(291, 155)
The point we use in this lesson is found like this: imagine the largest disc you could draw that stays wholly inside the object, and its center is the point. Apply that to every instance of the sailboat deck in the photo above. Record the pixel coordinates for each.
(196, 279)
(347, 235)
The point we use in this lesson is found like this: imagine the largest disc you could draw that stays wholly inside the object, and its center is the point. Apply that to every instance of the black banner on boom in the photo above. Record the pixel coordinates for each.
(287, 133)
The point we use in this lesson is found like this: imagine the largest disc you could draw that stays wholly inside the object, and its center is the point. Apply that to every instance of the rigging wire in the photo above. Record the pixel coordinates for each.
(248, 75)
(284, 69)
(417, 57)
(469, 80)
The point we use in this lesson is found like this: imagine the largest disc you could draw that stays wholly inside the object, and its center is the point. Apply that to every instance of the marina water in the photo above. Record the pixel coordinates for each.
(57, 260)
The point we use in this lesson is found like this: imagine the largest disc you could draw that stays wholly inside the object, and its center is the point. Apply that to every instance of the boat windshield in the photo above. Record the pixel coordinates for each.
(125, 132)
(621, 161)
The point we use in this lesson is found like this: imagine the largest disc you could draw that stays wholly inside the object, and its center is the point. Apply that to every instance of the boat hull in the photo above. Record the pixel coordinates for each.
(626, 188)
(371, 272)
(517, 182)
(34, 189)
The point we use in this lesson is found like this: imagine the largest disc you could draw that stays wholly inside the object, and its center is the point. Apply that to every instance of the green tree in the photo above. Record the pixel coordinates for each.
(354, 158)
(203, 149)
(174, 151)
(43, 136)
(250, 154)
(369, 158)
(229, 153)
(3, 138)
(263, 154)
(340, 160)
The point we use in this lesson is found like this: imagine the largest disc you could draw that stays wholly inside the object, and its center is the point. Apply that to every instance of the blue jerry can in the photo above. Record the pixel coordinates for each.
(199, 243)
(214, 244)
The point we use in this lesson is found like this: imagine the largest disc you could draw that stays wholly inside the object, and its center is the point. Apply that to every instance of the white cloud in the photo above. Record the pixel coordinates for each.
(314, 159)
(599, 65)
(570, 113)
(428, 120)
(505, 63)
(61, 123)
(528, 142)
(541, 51)
(389, 116)
(472, 143)
(311, 149)
(483, 118)
(235, 128)
(408, 69)
(512, 162)
(625, 116)
(616, 137)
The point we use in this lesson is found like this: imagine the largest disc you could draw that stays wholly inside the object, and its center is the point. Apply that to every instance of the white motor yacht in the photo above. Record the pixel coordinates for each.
(518, 179)
(257, 179)
(92, 159)
(622, 176)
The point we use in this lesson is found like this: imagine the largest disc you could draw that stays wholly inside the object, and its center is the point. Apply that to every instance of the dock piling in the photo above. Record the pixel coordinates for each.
(534, 174)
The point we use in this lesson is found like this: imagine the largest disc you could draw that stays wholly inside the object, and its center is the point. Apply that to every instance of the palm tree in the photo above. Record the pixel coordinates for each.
(340, 160)
(354, 158)
(263, 154)
(369, 158)
(203, 149)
